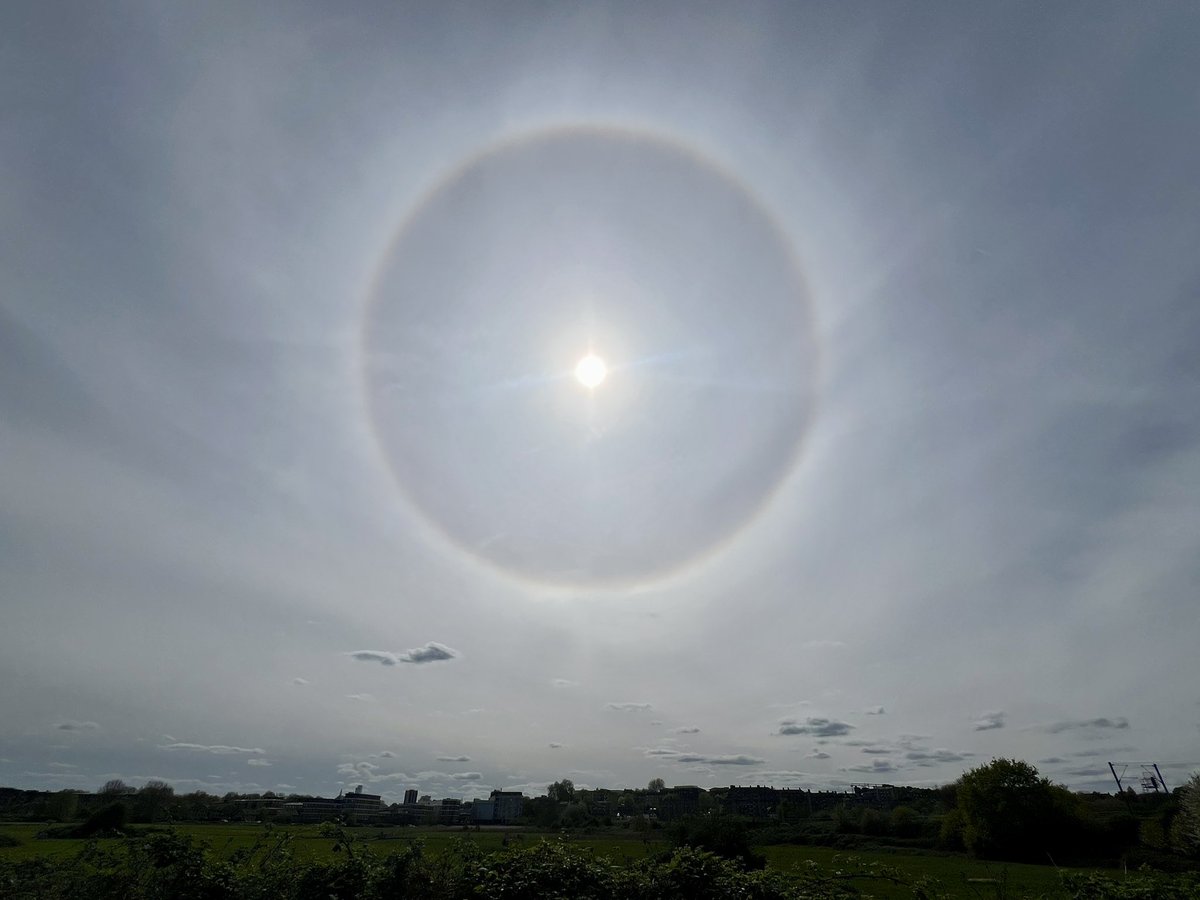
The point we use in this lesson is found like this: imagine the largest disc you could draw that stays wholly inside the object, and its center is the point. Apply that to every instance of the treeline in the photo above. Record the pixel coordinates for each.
(155, 802)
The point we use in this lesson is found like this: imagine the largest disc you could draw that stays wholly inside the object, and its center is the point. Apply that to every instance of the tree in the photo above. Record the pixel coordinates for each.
(1010, 812)
(115, 786)
(561, 791)
(152, 800)
(1187, 822)
(656, 784)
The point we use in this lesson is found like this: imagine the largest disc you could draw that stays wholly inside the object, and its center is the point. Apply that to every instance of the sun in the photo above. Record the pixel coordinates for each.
(591, 371)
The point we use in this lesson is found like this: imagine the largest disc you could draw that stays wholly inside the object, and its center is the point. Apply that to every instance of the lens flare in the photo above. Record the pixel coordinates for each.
(591, 371)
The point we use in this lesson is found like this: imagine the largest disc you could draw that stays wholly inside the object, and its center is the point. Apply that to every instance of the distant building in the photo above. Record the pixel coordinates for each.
(508, 805)
(410, 796)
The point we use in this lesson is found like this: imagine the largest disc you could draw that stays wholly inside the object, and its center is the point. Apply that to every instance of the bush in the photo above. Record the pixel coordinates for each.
(724, 836)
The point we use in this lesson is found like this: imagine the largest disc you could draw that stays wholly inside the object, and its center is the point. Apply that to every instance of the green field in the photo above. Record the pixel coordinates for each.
(958, 875)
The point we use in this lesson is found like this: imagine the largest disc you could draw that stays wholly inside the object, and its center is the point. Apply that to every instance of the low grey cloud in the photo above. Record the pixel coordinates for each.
(454, 759)
(300, 681)
(467, 776)
(258, 761)
(211, 748)
(815, 725)
(555, 745)
(62, 765)
(1102, 751)
(738, 760)
(877, 767)
(875, 711)
(563, 683)
(431, 652)
(1118, 723)
(989, 721)
(687, 730)
(627, 706)
(781, 775)
(816, 754)
(387, 754)
(383, 657)
(688, 757)
(1086, 773)
(72, 725)
(362, 698)
(1050, 760)
(940, 755)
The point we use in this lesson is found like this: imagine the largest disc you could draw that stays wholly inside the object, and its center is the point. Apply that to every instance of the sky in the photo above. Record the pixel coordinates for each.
(895, 469)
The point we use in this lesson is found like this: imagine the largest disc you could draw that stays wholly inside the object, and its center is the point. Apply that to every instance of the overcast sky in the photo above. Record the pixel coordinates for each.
(896, 467)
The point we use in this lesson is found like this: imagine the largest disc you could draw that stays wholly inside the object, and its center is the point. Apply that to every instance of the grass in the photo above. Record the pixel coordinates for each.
(959, 875)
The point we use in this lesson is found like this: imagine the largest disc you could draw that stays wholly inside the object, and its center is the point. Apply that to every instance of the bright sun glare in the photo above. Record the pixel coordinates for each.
(591, 371)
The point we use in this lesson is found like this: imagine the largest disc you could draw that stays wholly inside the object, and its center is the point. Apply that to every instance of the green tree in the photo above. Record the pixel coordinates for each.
(1010, 812)
(1186, 827)
(656, 784)
(561, 791)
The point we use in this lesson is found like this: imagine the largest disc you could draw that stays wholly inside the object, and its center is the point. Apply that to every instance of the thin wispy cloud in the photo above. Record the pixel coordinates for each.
(563, 683)
(258, 761)
(628, 706)
(1100, 724)
(689, 729)
(72, 725)
(220, 749)
(454, 759)
(990, 721)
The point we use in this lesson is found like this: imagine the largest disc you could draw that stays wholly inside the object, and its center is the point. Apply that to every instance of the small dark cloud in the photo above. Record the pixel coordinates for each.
(687, 730)
(1051, 760)
(989, 721)
(72, 725)
(454, 759)
(817, 754)
(1086, 773)
(815, 725)
(387, 754)
(877, 750)
(555, 745)
(467, 776)
(627, 706)
(1118, 723)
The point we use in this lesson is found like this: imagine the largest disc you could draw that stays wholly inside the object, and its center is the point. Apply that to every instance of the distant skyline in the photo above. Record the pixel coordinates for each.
(894, 467)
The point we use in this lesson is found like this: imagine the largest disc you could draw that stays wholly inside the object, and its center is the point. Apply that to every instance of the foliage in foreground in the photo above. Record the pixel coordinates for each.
(170, 865)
